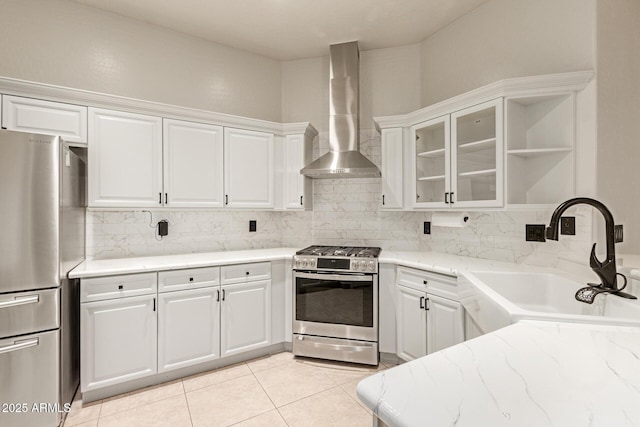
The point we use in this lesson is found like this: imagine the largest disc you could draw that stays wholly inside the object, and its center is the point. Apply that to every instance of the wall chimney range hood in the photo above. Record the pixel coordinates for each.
(344, 159)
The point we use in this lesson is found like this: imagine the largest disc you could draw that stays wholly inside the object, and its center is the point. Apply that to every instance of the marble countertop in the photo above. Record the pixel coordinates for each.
(108, 267)
(532, 373)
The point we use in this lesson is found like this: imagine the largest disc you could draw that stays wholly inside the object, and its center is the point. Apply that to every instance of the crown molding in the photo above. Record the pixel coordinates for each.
(548, 84)
(24, 88)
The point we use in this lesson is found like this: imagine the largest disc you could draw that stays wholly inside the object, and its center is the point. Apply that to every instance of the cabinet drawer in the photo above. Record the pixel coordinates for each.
(193, 278)
(111, 287)
(242, 273)
(27, 312)
(438, 284)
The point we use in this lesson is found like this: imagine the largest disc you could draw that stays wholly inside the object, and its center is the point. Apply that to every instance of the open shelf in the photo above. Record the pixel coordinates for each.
(432, 153)
(431, 178)
(536, 152)
(484, 144)
(540, 142)
(478, 173)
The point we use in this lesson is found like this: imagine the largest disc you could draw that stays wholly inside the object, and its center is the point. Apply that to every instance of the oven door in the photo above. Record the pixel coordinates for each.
(341, 305)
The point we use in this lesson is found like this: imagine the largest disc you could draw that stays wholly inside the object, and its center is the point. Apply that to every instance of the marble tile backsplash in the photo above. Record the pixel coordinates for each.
(346, 212)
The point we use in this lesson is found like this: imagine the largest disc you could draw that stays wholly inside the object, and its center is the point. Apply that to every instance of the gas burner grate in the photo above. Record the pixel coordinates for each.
(342, 251)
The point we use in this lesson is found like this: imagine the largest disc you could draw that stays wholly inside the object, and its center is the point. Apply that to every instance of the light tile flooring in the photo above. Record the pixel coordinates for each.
(276, 390)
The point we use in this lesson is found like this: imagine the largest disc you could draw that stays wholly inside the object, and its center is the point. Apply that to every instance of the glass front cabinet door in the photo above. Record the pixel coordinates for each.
(459, 159)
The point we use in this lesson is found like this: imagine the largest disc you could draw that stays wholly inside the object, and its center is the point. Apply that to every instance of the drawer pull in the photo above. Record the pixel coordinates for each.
(191, 279)
(19, 346)
(19, 301)
(121, 287)
(247, 273)
(424, 282)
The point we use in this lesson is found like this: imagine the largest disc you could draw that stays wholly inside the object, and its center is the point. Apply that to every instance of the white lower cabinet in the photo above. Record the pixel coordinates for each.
(188, 328)
(246, 317)
(411, 323)
(118, 341)
(445, 318)
(426, 321)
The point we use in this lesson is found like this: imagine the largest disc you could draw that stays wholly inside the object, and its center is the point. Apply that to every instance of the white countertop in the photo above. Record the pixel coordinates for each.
(528, 374)
(447, 263)
(108, 267)
(433, 261)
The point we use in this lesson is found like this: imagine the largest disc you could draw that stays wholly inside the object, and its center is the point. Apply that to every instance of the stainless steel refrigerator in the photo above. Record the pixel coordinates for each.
(42, 230)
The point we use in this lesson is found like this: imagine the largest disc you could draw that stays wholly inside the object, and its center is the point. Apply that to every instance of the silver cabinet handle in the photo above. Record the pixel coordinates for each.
(19, 346)
(19, 301)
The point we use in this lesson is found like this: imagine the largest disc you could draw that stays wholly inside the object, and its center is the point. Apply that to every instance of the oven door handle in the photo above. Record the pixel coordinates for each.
(329, 276)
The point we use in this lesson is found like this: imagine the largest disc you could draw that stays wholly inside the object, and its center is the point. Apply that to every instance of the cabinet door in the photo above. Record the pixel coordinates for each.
(445, 323)
(477, 156)
(117, 341)
(249, 172)
(411, 319)
(51, 118)
(392, 169)
(193, 164)
(298, 188)
(125, 159)
(246, 317)
(188, 328)
(431, 171)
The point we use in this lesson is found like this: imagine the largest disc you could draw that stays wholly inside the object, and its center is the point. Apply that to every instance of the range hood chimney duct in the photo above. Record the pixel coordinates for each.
(344, 159)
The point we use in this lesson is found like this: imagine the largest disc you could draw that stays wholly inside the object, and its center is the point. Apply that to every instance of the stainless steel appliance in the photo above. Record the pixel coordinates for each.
(335, 308)
(42, 207)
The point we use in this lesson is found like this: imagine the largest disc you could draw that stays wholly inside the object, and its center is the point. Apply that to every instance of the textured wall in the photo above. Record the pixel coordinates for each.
(64, 43)
(618, 42)
(508, 38)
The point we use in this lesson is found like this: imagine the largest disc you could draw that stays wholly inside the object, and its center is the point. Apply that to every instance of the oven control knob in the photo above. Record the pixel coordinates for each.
(355, 265)
(371, 266)
(305, 263)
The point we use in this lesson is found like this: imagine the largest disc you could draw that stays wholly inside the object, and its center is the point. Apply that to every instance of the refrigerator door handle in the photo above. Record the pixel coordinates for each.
(19, 301)
(19, 345)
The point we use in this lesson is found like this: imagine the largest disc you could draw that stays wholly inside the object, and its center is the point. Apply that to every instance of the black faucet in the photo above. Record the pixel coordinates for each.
(606, 270)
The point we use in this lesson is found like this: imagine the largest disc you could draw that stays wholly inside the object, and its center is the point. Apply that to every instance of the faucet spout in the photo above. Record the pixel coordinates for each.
(605, 270)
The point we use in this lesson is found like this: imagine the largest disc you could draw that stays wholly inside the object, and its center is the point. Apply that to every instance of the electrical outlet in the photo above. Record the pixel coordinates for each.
(534, 232)
(253, 225)
(427, 227)
(163, 228)
(617, 233)
(568, 225)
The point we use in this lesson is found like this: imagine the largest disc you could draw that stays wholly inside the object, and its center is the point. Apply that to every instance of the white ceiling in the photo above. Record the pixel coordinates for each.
(293, 29)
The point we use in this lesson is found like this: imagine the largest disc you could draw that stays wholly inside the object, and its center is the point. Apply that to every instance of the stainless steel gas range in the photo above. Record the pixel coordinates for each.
(335, 308)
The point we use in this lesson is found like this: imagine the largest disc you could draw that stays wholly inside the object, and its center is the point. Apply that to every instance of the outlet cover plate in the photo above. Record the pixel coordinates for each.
(534, 232)
(427, 227)
(253, 225)
(568, 225)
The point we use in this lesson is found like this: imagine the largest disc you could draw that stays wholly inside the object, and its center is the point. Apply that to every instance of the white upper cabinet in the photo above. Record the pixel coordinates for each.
(476, 156)
(458, 158)
(193, 164)
(298, 188)
(430, 152)
(516, 142)
(540, 142)
(392, 168)
(51, 118)
(125, 159)
(249, 169)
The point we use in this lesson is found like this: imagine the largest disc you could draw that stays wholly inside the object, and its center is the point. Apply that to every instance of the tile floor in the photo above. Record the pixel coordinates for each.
(276, 390)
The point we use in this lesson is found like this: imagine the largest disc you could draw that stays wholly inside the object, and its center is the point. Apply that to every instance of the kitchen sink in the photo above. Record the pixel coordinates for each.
(496, 299)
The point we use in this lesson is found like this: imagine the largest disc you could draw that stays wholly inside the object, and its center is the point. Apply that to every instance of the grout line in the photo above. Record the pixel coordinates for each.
(187, 400)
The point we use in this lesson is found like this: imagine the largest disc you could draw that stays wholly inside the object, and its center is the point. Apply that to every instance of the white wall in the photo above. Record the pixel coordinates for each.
(508, 38)
(64, 43)
(618, 65)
